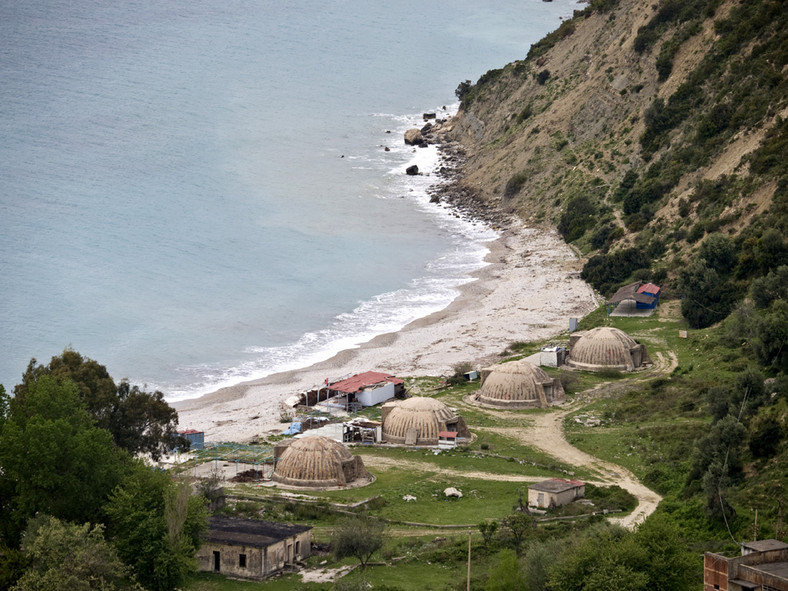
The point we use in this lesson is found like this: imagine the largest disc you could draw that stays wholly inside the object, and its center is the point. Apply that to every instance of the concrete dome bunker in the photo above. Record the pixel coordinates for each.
(605, 347)
(518, 384)
(315, 461)
(418, 421)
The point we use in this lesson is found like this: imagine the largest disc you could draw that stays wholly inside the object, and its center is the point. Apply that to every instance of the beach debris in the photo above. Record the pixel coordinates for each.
(452, 492)
(293, 429)
(408, 498)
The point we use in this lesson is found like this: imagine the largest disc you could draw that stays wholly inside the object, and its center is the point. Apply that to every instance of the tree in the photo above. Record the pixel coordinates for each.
(719, 252)
(721, 444)
(537, 561)
(519, 524)
(606, 557)
(53, 459)
(5, 402)
(506, 575)
(488, 530)
(764, 290)
(463, 88)
(359, 536)
(140, 421)
(67, 556)
(770, 333)
(156, 524)
(669, 565)
(706, 297)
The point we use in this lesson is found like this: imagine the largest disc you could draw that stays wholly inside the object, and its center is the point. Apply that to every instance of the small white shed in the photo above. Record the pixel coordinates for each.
(552, 356)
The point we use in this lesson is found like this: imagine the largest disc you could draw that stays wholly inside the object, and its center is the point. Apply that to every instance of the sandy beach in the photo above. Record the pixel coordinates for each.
(528, 291)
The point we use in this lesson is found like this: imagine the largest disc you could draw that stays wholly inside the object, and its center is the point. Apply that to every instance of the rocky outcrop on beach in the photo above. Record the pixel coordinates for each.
(451, 192)
(413, 137)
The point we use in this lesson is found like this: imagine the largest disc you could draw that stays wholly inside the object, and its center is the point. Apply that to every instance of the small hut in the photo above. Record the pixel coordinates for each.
(419, 421)
(555, 492)
(317, 462)
(252, 549)
(519, 384)
(605, 347)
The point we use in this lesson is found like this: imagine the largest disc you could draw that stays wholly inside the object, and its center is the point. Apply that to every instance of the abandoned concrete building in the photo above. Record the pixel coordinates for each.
(762, 566)
(419, 420)
(252, 549)
(555, 492)
(519, 384)
(605, 347)
(315, 461)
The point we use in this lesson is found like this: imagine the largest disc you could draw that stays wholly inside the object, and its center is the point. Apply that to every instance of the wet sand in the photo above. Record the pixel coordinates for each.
(528, 291)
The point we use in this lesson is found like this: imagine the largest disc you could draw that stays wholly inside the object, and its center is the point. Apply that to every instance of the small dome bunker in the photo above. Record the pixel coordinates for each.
(315, 461)
(519, 384)
(419, 420)
(605, 347)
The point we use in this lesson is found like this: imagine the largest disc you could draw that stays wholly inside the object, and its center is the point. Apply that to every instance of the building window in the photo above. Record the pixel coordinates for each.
(242, 560)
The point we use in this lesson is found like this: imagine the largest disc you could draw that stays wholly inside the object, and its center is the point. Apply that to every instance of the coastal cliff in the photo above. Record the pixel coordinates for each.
(640, 129)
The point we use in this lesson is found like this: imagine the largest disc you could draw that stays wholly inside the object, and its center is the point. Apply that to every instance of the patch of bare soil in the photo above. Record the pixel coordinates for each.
(325, 575)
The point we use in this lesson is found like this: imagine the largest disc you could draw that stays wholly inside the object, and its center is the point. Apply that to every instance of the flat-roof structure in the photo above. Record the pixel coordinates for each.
(555, 492)
(763, 566)
(252, 549)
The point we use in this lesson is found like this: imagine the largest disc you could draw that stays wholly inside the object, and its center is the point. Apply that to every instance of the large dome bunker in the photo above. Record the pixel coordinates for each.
(315, 461)
(518, 384)
(419, 421)
(605, 347)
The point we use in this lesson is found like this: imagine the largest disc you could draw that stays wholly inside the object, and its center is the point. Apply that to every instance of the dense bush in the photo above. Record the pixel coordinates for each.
(578, 217)
(608, 271)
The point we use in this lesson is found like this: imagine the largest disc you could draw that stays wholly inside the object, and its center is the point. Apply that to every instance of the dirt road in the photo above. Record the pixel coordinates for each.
(546, 433)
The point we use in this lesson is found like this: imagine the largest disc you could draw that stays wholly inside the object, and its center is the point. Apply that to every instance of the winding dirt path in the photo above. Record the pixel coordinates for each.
(546, 433)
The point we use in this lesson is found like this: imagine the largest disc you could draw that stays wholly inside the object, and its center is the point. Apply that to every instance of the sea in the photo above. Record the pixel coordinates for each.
(197, 193)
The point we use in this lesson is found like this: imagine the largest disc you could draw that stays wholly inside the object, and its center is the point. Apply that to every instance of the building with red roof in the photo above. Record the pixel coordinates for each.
(368, 388)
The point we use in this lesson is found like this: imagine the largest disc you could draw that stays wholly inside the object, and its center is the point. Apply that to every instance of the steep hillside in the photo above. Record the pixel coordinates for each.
(654, 136)
(638, 128)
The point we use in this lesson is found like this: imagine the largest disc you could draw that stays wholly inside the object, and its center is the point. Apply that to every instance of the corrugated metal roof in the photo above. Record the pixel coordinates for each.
(360, 381)
(631, 292)
(648, 288)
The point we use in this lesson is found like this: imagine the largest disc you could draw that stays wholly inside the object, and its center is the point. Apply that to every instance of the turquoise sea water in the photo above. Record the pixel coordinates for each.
(196, 193)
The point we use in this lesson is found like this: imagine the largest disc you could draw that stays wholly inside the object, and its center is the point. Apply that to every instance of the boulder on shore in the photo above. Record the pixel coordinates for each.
(412, 170)
(413, 137)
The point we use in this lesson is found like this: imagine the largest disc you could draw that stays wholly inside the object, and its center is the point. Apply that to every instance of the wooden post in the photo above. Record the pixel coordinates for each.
(469, 560)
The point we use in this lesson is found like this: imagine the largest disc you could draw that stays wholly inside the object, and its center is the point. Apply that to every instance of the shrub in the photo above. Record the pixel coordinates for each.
(578, 216)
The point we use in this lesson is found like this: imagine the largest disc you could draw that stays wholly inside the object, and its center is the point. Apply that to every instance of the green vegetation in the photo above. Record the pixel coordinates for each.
(68, 488)
(139, 421)
(635, 184)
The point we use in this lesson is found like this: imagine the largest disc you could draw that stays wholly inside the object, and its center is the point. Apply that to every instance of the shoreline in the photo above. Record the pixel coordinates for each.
(528, 291)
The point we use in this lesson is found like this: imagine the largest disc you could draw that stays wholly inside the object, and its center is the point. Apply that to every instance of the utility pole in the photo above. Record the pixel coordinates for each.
(469, 560)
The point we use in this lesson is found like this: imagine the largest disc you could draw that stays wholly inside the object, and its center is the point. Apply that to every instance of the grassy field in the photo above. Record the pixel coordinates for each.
(643, 421)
